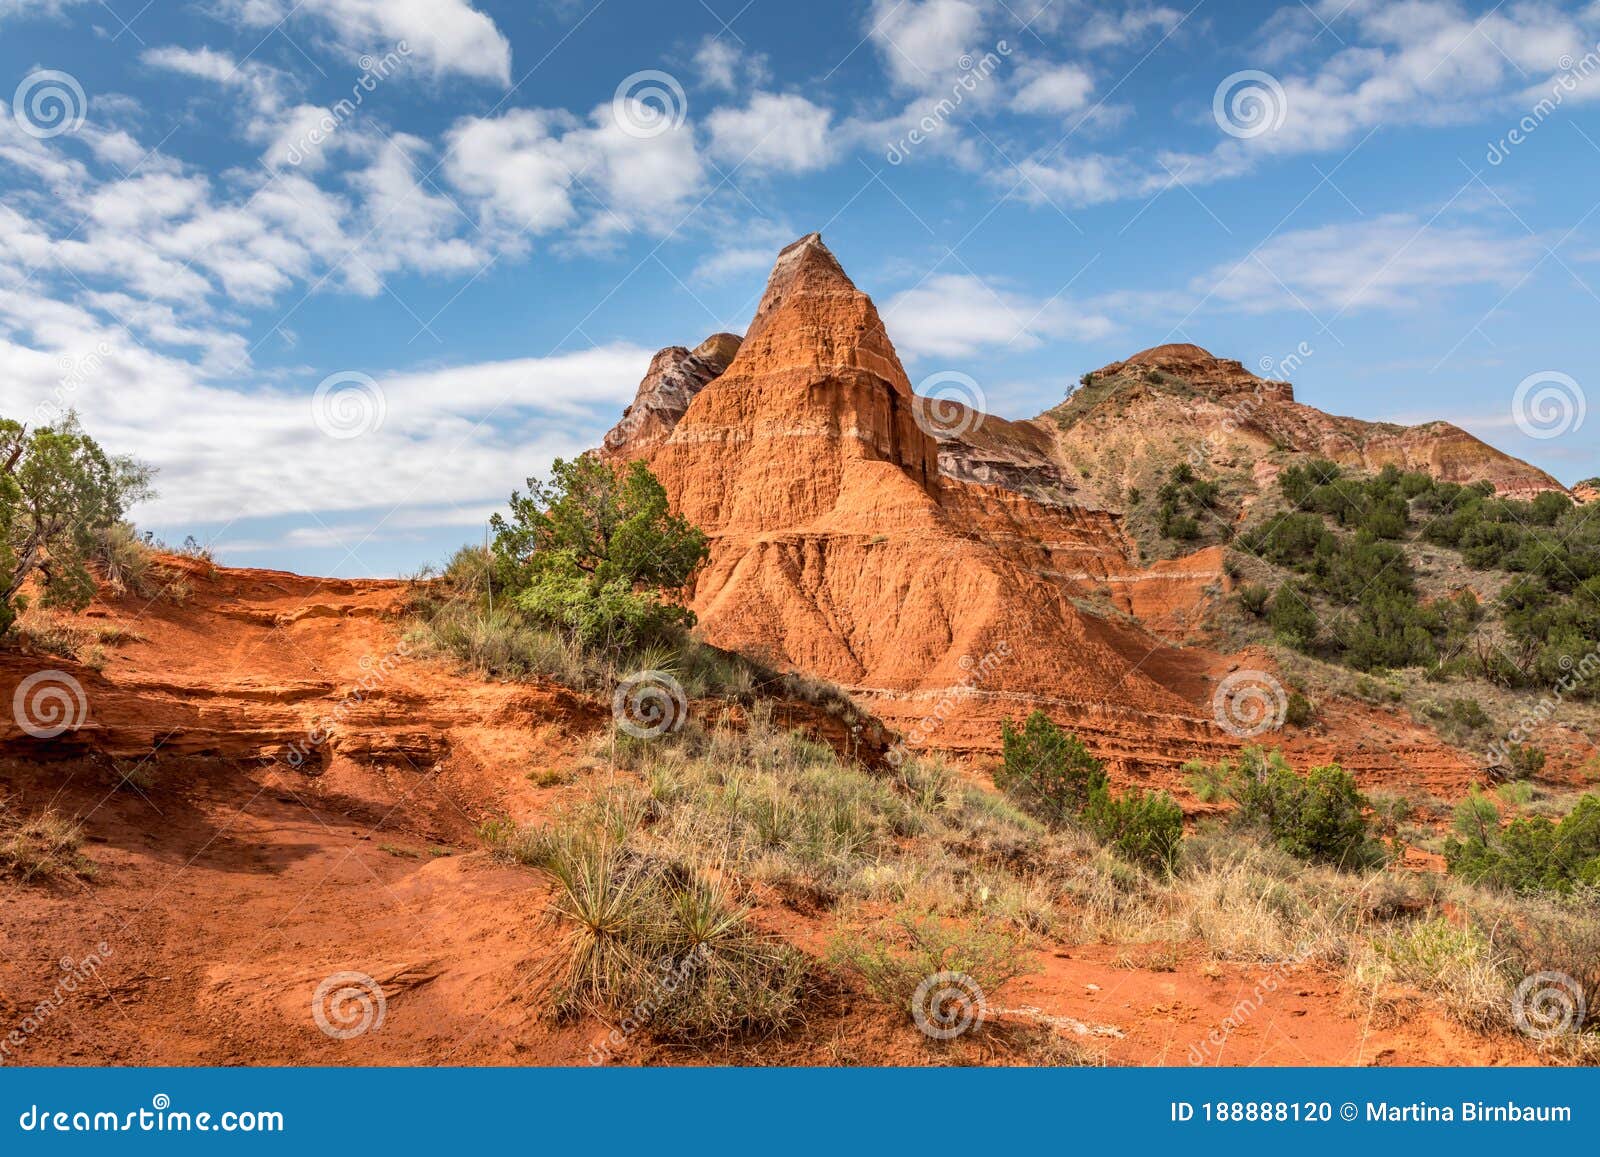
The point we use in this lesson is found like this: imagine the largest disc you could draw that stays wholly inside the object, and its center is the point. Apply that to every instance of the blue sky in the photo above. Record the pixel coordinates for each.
(348, 270)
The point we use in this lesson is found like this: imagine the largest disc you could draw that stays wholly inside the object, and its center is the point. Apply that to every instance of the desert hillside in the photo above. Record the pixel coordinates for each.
(273, 788)
(261, 818)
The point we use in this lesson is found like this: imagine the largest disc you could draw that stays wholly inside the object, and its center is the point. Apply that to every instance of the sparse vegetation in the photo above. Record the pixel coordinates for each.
(59, 493)
(1182, 492)
(41, 847)
(581, 589)
(1351, 541)
(1320, 816)
(1055, 777)
(898, 956)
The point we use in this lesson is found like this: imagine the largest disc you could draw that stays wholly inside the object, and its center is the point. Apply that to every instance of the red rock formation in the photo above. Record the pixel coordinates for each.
(839, 548)
(954, 579)
(675, 376)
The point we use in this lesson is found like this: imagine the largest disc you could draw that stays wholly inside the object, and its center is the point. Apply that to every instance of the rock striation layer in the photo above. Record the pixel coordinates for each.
(840, 547)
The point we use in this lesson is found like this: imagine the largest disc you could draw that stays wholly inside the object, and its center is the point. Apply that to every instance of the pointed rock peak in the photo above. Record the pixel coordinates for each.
(812, 313)
(805, 268)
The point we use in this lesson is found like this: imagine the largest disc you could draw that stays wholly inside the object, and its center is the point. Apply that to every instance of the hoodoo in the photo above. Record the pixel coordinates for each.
(839, 548)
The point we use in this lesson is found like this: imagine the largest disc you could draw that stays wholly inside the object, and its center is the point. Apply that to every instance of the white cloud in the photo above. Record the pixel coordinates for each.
(262, 85)
(1103, 28)
(746, 249)
(259, 453)
(1389, 262)
(723, 64)
(445, 36)
(1072, 180)
(956, 315)
(731, 263)
(1423, 62)
(22, 9)
(921, 41)
(1061, 88)
(775, 132)
(515, 167)
(531, 170)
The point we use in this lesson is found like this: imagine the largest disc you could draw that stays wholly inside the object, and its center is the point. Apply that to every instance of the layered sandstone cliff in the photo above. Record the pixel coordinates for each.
(955, 569)
(840, 547)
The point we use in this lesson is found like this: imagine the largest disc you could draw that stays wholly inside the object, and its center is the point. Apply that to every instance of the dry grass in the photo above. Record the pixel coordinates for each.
(769, 815)
(74, 639)
(42, 847)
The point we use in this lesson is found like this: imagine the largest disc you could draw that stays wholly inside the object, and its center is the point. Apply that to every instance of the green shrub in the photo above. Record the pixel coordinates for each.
(1144, 828)
(1530, 854)
(1524, 761)
(591, 552)
(1046, 770)
(1253, 598)
(60, 496)
(1291, 618)
(1319, 816)
(1299, 710)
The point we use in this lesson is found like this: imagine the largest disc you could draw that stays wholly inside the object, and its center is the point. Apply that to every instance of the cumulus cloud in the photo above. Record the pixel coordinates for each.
(447, 37)
(227, 454)
(956, 315)
(774, 132)
(921, 41)
(1072, 180)
(1390, 262)
(1060, 88)
(538, 170)
(726, 65)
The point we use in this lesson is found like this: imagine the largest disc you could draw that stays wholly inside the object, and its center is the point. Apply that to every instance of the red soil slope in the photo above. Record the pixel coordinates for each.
(840, 547)
(234, 883)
